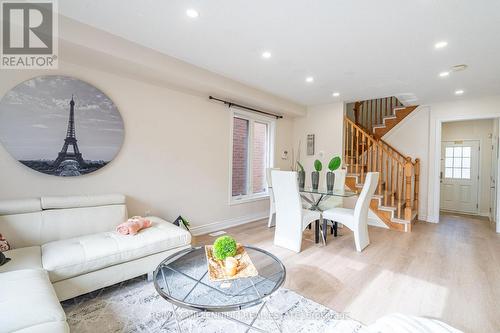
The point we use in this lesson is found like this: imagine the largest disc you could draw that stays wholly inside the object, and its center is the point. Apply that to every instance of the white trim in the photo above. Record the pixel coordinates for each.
(248, 198)
(434, 179)
(233, 222)
(251, 117)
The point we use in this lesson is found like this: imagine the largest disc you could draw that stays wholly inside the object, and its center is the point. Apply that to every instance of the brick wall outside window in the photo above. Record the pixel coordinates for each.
(255, 134)
(259, 157)
(240, 156)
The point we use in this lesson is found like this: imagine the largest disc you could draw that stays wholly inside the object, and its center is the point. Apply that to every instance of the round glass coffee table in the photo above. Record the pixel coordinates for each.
(182, 279)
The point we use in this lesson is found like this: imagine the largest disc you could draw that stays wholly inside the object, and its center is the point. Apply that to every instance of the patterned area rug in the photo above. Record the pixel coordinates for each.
(135, 306)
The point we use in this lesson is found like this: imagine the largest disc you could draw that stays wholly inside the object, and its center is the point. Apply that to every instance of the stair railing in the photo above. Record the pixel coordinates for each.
(399, 176)
(370, 113)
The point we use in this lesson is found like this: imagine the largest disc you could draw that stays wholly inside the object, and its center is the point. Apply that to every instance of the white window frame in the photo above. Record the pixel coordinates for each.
(271, 126)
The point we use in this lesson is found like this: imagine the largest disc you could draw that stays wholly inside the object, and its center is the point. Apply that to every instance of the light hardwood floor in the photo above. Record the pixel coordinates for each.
(449, 271)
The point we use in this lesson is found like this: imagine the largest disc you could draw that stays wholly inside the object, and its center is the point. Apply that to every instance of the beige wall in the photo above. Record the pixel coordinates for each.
(326, 123)
(175, 156)
(481, 130)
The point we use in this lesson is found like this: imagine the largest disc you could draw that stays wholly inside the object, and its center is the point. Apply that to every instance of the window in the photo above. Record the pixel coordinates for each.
(251, 143)
(457, 162)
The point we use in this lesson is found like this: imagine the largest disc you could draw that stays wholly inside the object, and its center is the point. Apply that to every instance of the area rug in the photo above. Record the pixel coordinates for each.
(135, 306)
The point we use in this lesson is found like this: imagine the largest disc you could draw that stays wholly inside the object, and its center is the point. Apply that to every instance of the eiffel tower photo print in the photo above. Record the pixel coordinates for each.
(60, 126)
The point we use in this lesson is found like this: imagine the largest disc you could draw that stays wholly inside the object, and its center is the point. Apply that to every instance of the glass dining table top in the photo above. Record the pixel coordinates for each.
(324, 191)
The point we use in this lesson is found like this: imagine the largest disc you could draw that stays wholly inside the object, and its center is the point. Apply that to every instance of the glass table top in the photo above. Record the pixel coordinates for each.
(324, 191)
(183, 280)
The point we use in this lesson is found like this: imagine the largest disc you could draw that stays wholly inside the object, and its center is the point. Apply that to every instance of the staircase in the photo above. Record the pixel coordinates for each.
(396, 198)
(379, 116)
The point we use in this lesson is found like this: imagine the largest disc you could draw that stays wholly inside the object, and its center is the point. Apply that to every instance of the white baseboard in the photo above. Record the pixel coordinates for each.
(422, 217)
(484, 214)
(216, 226)
(432, 219)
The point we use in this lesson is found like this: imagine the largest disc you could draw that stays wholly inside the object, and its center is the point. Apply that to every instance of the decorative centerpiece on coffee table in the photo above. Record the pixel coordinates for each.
(228, 260)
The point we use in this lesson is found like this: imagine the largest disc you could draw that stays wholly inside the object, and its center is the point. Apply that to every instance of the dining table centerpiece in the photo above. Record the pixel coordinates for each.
(228, 260)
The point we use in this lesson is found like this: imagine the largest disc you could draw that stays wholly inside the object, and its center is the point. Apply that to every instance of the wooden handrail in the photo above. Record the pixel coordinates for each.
(399, 176)
(372, 138)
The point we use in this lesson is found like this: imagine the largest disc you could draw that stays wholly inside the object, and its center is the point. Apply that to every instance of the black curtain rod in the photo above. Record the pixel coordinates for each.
(231, 104)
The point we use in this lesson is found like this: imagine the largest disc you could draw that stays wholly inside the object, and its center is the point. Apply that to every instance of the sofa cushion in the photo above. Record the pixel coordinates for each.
(28, 299)
(67, 258)
(23, 258)
(60, 224)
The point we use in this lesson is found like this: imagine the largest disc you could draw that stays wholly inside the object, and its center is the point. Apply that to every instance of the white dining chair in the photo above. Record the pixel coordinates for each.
(272, 207)
(291, 218)
(357, 219)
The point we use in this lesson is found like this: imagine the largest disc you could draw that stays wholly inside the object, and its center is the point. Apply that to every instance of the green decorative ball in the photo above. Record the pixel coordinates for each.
(224, 246)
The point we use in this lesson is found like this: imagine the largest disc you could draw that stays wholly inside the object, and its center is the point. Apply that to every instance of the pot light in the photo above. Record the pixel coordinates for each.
(444, 74)
(309, 79)
(192, 13)
(336, 94)
(459, 92)
(266, 55)
(458, 68)
(440, 45)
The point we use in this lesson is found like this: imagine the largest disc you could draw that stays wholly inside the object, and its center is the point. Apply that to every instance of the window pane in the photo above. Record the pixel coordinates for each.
(457, 173)
(457, 162)
(448, 173)
(449, 152)
(466, 151)
(240, 156)
(466, 173)
(259, 157)
(457, 152)
(465, 162)
(449, 162)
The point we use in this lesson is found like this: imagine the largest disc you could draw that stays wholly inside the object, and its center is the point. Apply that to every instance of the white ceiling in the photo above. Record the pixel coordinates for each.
(360, 48)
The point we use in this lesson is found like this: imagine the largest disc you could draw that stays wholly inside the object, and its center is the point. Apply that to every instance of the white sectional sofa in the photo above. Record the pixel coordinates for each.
(63, 247)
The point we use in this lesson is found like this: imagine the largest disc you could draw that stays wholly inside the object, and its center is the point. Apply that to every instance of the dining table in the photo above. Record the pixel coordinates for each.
(317, 199)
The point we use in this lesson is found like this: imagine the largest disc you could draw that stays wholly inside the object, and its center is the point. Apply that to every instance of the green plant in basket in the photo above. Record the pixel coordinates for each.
(224, 246)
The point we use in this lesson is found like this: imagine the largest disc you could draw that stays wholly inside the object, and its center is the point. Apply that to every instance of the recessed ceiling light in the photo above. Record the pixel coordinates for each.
(458, 68)
(440, 45)
(444, 74)
(459, 92)
(309, 79)
(192, 13)
(266, 55)
(336, 94)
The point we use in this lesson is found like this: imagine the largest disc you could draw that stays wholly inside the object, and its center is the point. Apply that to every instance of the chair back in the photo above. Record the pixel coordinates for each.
(340, 175)
(269, 176)
(287, 200)
(363, 202)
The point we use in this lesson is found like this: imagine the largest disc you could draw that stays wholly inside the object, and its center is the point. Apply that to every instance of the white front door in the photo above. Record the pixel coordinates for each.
(460, 176)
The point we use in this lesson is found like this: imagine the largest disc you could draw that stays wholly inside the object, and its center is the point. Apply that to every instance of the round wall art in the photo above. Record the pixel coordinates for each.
(59, 125)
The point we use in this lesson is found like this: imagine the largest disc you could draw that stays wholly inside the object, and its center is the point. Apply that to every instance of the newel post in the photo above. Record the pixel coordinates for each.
(417, 183)
(407, 173)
